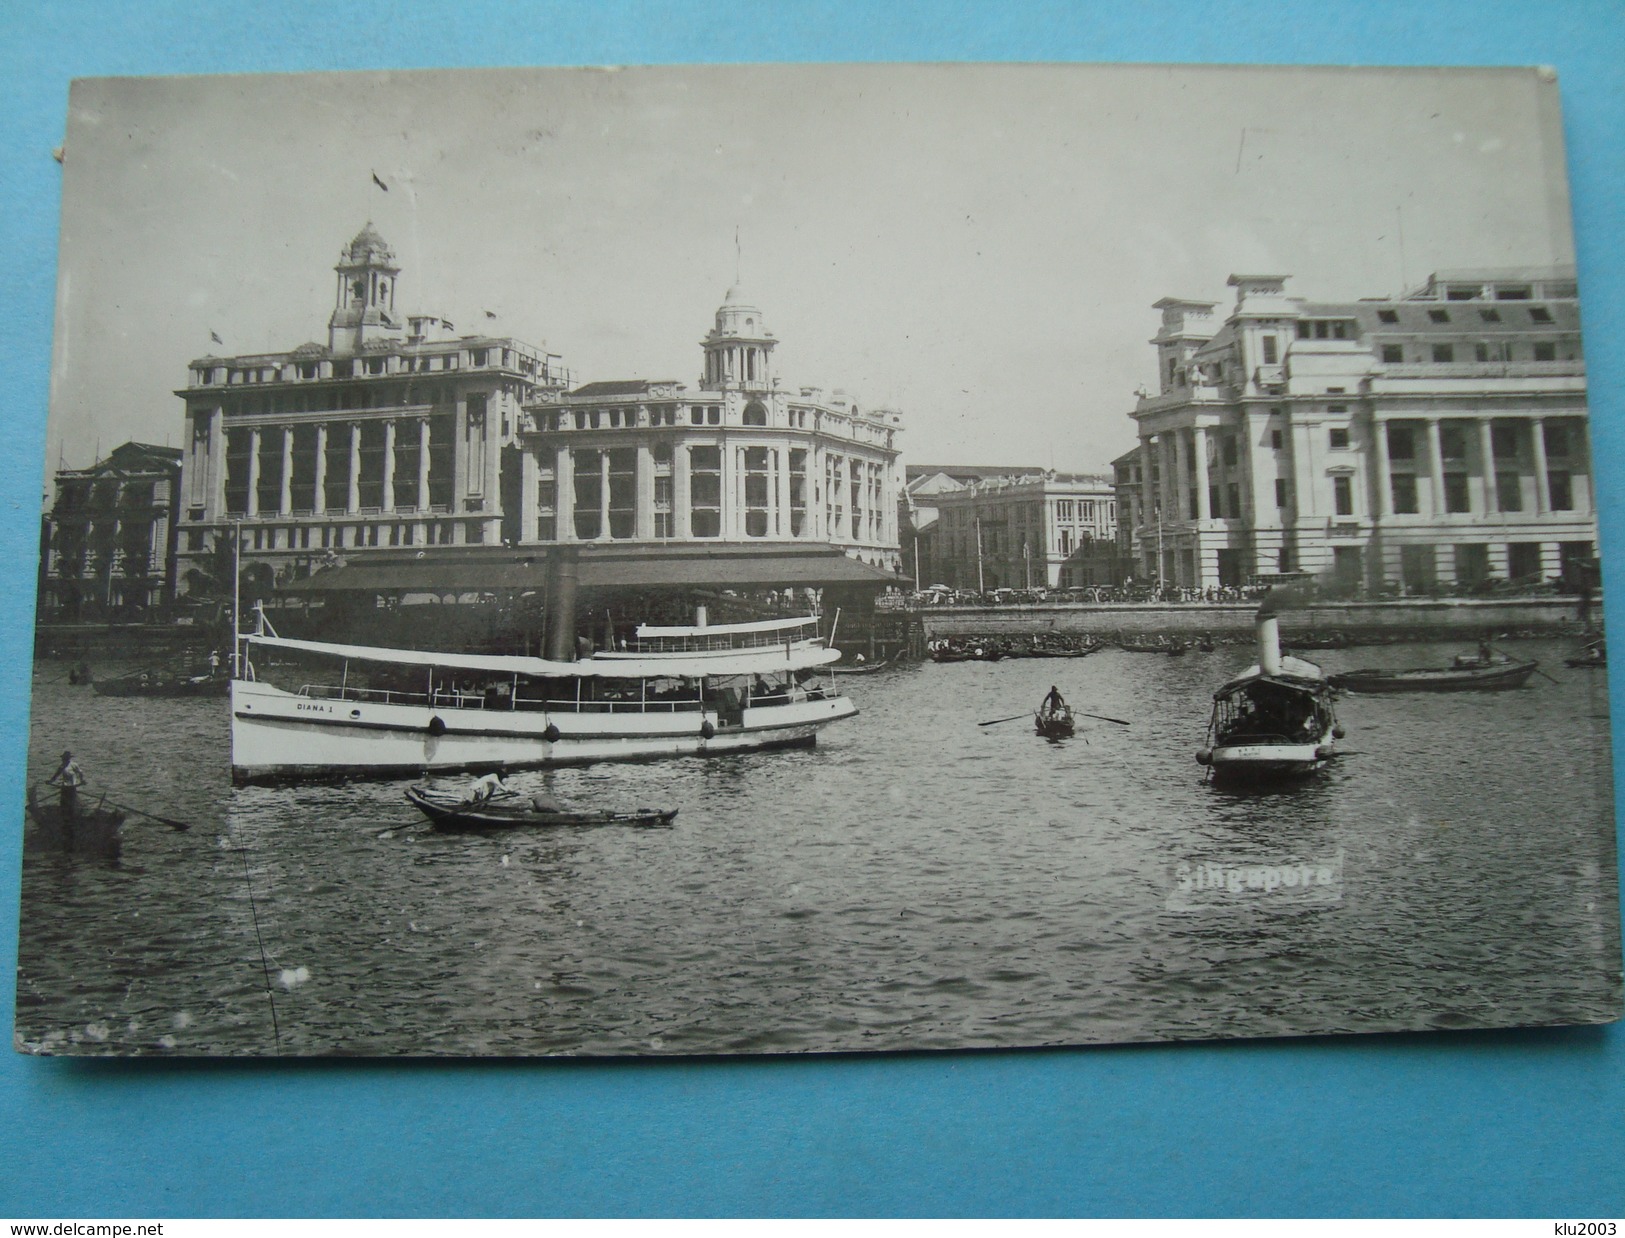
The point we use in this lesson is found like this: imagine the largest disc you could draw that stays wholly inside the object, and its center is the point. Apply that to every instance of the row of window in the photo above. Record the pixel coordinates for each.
(346, 536)
(605, 496)
(349, 399)
(1537, 313)
(1483, 351)
(1507, 494)
(1403, 440)
(356, 367)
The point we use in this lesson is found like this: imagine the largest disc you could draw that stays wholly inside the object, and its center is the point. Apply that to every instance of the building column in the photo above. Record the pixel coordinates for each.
(1383, 501)
(603, 494)
(644, 525)
(388, 503)
(1543, 484)
(1580, 470)
(1436, 472)
(528, 479)
(1486, 450)
(1199, 448)
(493, 461)
(216, 508)
(1174, 472)
(254, 472)
(353, 499)
(781, 491)
(680, 527)
(1148, 498)
(319, 499)
(285, 498)
(423, 465)
(564, 496)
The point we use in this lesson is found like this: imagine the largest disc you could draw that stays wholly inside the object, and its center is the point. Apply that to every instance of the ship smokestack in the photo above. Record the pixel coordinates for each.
(561, 604)
(1269, 643)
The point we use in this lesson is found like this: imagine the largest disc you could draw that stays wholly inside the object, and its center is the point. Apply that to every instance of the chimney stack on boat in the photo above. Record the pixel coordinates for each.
(1269, 643)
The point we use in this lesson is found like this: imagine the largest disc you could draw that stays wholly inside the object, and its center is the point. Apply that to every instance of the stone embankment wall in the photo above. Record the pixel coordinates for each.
(1411, 619)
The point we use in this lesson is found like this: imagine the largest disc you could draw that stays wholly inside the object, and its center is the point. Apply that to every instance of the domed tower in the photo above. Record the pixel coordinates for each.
(739, 350)
(365, 305)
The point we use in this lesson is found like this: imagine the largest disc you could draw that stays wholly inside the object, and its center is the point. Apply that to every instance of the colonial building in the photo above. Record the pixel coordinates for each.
(1033, 531)
(739, 459)
(109, 538)
(1431, 440)
(395, 432)
(917, 516)
(1126, 485)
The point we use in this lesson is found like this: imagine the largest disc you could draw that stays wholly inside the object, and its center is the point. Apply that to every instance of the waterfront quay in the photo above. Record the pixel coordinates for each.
(1410, 619)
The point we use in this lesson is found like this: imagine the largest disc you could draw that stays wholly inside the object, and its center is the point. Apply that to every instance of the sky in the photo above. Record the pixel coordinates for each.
(978, 247)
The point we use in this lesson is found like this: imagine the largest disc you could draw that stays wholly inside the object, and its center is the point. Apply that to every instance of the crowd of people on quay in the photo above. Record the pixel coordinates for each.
(1134, 592)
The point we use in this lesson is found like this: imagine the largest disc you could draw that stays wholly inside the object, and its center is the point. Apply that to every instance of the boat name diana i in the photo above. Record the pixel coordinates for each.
(681, 691)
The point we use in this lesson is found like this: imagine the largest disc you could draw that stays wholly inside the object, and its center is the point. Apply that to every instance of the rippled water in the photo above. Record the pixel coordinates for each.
(916, 881)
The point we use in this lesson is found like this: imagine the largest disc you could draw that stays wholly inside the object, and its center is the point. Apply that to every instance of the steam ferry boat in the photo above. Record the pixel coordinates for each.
(1273, 721)
(354, 710)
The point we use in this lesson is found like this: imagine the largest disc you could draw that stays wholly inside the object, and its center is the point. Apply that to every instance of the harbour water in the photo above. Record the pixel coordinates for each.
(916, 881)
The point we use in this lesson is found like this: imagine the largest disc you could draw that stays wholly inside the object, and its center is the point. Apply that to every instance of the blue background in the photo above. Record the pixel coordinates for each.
(1517, 1123)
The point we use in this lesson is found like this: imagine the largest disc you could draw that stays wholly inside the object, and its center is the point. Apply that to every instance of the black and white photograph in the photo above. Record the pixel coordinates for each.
(815, 559)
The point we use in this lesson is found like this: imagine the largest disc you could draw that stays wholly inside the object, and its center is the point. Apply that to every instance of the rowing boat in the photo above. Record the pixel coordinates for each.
(1055, 722)
(1476, 676)
(450, 811)
(94, 828)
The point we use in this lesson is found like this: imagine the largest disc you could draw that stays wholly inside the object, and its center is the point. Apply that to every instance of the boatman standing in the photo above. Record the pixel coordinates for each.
(1053, 701)
(67, 780)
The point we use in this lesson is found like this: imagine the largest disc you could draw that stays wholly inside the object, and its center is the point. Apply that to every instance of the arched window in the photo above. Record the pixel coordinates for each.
(755, 414)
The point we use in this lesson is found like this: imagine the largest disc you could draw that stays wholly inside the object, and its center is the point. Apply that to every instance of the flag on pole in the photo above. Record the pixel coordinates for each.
(379, 182)
(216, 338)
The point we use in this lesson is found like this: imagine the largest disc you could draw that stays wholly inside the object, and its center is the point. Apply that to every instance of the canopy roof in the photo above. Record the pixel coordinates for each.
(772, 659)
(1296, 676)
(468, 569)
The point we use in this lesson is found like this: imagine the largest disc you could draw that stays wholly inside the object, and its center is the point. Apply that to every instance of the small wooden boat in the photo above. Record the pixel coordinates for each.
(450, 811)
(95, 829)
(164, 684)
(969, 651)
(1592, 657)
(1054, 722)
(1156, 644)
(859, 668)
(1472, 676)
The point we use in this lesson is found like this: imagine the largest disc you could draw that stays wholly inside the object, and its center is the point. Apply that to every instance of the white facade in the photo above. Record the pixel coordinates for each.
(1434, 440)
(394, 433)
(739, 459)
(1043, 531)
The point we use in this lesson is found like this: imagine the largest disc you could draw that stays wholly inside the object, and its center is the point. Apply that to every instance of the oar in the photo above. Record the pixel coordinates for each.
(1538, 671)
(151, 816)
(173, 824)
(1079, 712)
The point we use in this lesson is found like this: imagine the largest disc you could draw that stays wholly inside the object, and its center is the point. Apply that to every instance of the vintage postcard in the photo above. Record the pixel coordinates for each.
(793, 559)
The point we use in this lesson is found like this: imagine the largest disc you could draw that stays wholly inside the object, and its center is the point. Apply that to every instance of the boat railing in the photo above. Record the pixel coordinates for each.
(452, 699)
(797, 638)
(572, 706)
(1261, 739)
(381, 696)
